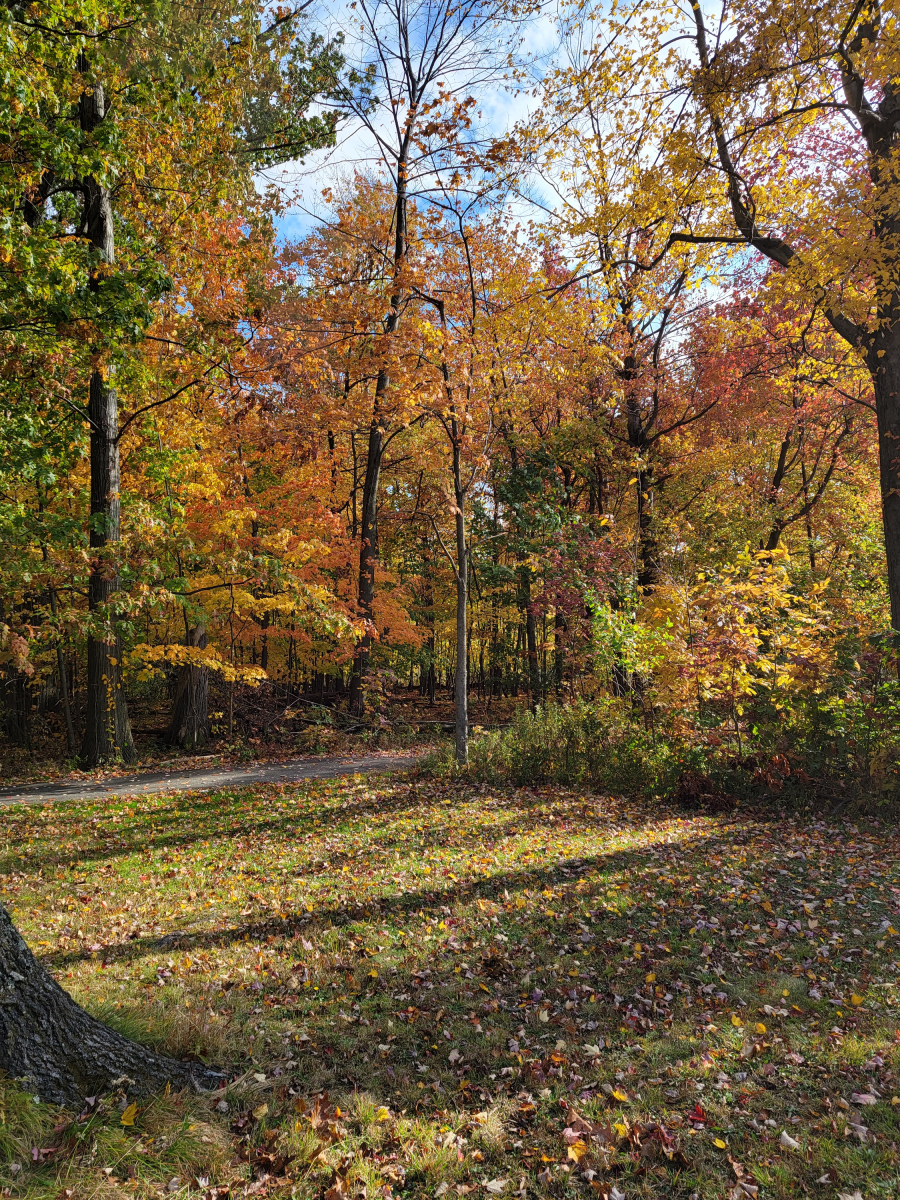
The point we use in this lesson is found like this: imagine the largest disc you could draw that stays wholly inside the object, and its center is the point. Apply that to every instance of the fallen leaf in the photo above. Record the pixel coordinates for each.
(260, 1111)
(496, 1186)
(787, 1141)
(129, 1114)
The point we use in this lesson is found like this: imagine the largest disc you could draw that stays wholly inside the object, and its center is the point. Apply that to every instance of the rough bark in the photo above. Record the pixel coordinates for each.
(368, 562)
(107, 734)
(884, 361)
(63, 1054)
(189, 722)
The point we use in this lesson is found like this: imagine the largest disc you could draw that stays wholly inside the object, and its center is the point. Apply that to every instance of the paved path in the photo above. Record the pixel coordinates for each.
(146, 783)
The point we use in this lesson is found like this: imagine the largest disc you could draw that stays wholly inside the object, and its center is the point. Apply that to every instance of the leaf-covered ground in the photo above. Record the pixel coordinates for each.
(501, 992)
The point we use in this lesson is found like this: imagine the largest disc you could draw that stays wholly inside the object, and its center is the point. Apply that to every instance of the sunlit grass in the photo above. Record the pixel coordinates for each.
(468, 973)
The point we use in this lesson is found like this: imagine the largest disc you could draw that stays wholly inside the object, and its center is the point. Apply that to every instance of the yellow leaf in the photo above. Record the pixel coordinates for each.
(736, 1020)
(618, 1094)
(651, 978)
(129, 1114)
(855, 1000)
(577, 1151)
(759, 1027)
(383, 1114)
(373, 974)
(261, 1111)
(621, 1130)
(766, 906)
(722, 1145)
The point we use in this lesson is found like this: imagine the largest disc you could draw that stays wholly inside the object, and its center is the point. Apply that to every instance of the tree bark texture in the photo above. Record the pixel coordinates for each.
(107, 733)
(886, 378)
(189, 722)
(63, 1054)
(368, 561)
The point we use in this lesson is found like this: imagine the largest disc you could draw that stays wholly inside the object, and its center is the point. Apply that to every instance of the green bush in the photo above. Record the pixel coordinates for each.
(599, 743)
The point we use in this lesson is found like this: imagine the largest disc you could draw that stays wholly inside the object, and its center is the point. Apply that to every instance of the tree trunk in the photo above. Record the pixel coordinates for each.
(189, 723)
(107, 733)
(63, 1054)
(531, 655)
(427, 675)
(368, 560)
(884, 363)
(461, 682)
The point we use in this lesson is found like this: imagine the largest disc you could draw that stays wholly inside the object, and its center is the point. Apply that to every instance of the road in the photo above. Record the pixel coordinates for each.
(208, 779)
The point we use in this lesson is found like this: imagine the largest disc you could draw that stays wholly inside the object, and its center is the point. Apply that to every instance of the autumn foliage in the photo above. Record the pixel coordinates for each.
(620, 448)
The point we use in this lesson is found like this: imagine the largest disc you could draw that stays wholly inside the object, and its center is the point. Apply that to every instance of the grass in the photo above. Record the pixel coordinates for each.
(502, 992)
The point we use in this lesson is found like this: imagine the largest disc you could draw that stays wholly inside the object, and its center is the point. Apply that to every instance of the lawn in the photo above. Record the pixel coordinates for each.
(430, 989)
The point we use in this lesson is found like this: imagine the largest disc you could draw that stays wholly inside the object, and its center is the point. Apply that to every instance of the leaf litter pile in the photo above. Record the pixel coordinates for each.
(423, 989)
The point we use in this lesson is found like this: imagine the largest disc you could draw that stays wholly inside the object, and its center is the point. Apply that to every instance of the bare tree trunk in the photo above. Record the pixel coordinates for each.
(368, 560)
(107, 732)
(885, 365)
(62, 1053)
(189, 722)
(461, 682)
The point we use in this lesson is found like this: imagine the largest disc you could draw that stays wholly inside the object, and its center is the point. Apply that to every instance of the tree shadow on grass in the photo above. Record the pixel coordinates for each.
(573, 873)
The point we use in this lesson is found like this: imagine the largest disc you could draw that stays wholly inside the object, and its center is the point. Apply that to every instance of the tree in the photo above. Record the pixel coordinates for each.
(61, 1052)
(84, 87)
(422, 56)
(230, 89)
(778, 131)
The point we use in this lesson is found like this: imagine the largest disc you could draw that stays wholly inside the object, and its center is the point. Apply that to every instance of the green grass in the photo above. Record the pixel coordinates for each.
(502, 992)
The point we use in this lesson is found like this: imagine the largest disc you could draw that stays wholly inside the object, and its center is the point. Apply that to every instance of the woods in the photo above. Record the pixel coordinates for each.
(494, 419)
(364, 378)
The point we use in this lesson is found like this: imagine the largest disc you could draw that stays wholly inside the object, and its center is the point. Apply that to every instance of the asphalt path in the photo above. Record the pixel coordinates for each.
(200, 779)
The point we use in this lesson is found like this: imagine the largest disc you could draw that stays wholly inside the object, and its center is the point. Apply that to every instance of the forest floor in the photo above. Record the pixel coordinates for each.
(428, 989)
